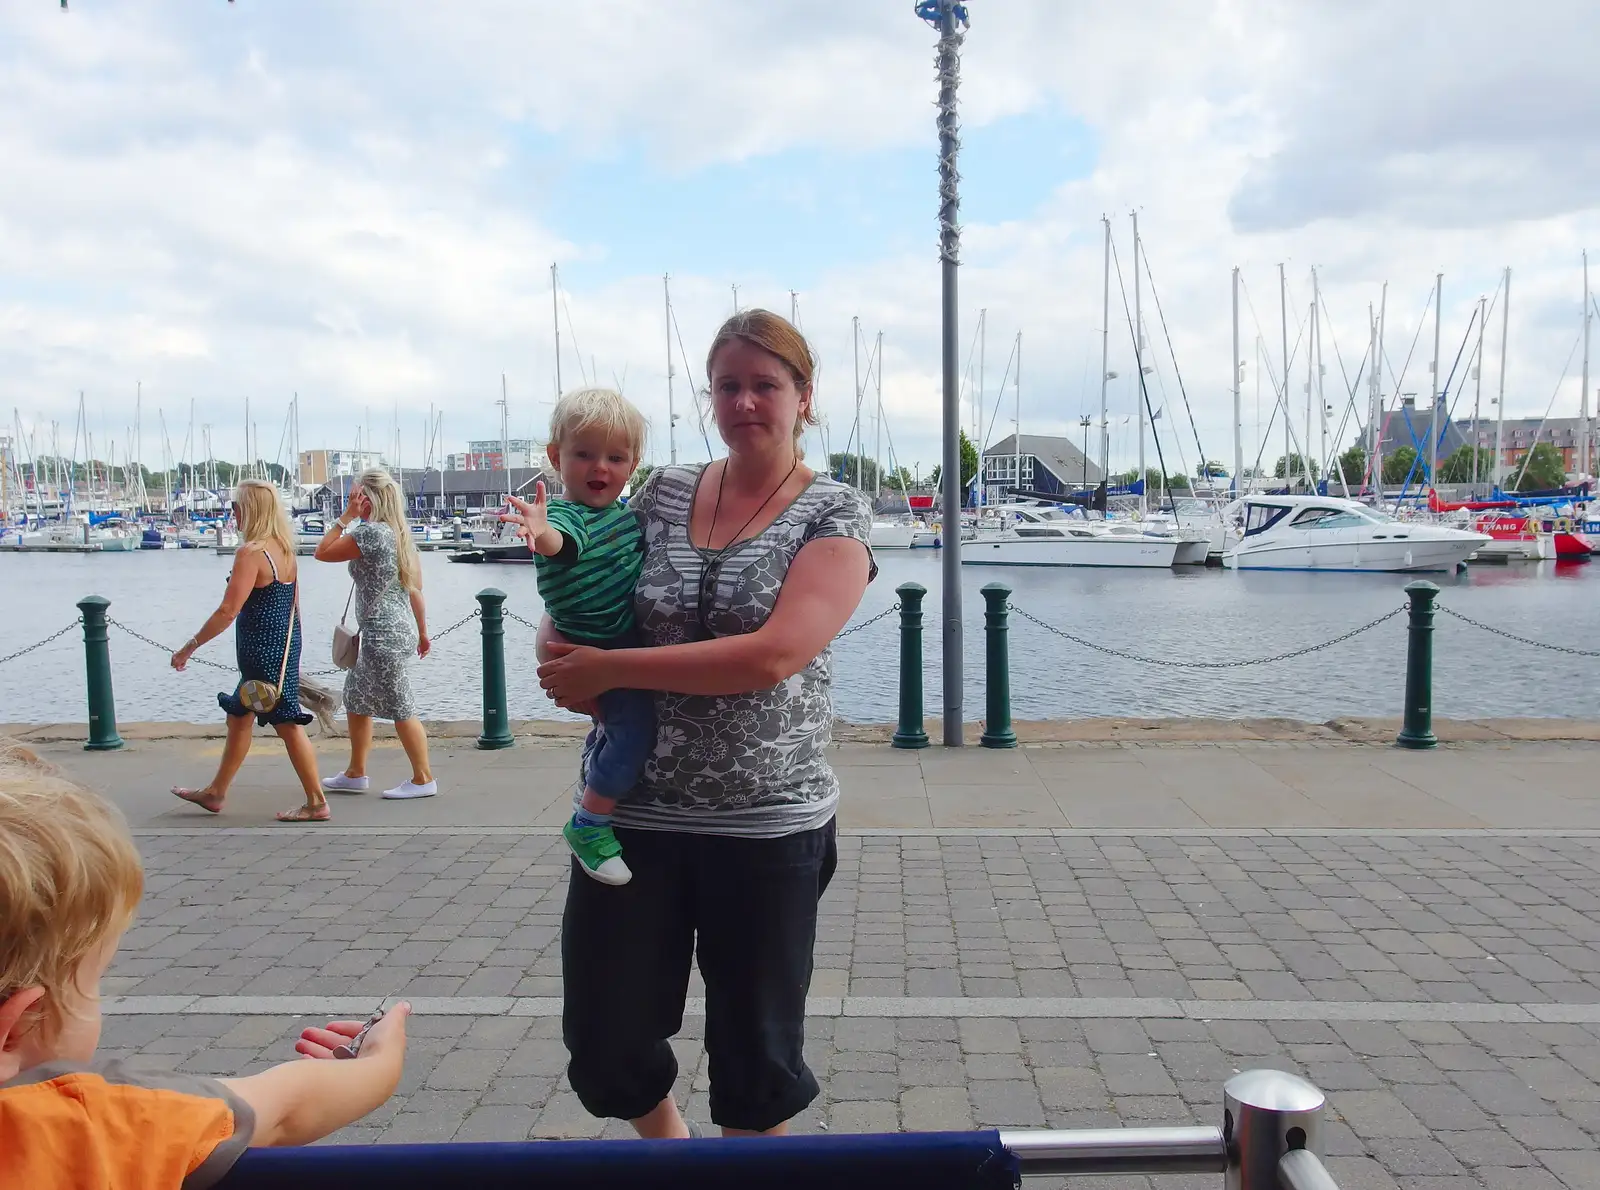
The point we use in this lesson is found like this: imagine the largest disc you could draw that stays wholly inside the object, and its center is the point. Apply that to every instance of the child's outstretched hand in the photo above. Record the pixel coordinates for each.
(388, 1035)
(529, 516)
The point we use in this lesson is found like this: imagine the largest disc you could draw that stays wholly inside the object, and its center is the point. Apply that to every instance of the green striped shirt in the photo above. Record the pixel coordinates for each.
(588, 587)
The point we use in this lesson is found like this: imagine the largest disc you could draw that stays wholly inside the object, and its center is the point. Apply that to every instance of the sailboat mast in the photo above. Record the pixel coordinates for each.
(1433, 414)
(1322, 405)
(1016, 424)
(977, 407)
(855, 347)
(1582, 468)
(672, 413)
(977, 394)
(138, 443)
(1500, 402)
(1105, 355)
(505, 440)
(1477, 392)
(1375, 454)
(1311, 368)
(1138, 363)
(555, 321)
(1237, 364)
(1283, 322)
(877, 437)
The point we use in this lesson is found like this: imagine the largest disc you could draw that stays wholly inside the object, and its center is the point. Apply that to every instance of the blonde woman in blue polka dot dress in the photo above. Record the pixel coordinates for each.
(260, 602)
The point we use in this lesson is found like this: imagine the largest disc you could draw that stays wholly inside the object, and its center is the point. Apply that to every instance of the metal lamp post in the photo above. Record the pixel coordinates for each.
(950, 18)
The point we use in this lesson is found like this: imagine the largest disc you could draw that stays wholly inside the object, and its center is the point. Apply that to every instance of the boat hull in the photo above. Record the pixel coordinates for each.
(1403, 556)
(890, 535)
(1106, 551)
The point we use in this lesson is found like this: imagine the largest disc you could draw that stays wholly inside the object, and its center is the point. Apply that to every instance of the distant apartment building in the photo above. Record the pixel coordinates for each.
(1408, 426)
(320, 466)
(486, 455)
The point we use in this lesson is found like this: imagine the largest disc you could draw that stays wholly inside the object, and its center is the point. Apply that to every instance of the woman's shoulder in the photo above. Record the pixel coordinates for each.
(668, 491)
(371, 534)
(827, 497)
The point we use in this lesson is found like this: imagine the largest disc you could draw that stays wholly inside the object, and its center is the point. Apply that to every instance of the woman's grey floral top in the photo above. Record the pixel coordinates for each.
(740, 764)
(379, 684)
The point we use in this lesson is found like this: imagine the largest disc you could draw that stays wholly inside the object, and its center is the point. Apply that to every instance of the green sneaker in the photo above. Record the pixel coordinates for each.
(598, 852)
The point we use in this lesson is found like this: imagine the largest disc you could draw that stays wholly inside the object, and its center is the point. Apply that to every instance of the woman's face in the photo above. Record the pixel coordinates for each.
(754, 399)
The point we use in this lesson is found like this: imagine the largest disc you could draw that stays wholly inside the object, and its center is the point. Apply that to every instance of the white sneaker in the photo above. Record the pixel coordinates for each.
(339, 783)
(408, 790)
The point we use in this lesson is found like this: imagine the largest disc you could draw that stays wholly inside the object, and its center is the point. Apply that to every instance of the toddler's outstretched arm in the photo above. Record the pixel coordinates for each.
(299, 1102)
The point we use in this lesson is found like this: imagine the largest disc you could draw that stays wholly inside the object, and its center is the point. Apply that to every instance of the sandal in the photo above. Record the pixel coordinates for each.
(199, 797)
(306, 813)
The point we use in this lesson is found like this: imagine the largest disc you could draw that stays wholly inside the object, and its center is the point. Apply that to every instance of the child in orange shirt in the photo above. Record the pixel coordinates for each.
(70, 881)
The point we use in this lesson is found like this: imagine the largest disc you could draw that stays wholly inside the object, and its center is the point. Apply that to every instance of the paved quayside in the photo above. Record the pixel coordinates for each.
(1084, 934)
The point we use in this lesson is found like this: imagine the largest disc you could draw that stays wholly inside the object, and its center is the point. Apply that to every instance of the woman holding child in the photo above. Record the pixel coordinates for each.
(750, 565)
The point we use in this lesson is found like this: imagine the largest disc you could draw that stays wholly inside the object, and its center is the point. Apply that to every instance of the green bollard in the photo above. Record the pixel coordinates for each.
(103, 735)
(997, 731)
(496, 720)
(1417, 731)
(910, 733)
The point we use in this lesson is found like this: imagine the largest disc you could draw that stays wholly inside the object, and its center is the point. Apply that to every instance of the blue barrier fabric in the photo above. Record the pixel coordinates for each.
(912, 1161)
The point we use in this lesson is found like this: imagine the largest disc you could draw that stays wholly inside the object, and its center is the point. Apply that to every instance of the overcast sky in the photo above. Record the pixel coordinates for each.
(360, 202)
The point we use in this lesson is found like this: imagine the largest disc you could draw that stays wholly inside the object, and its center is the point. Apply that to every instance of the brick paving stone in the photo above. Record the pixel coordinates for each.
(1423, 1103)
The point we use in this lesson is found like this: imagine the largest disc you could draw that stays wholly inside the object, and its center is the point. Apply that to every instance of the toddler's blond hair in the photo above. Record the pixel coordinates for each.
(603, 409)
(69, 878)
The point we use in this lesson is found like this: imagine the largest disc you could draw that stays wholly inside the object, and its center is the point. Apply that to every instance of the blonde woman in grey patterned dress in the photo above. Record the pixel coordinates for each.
(388, 603)
(752, 564)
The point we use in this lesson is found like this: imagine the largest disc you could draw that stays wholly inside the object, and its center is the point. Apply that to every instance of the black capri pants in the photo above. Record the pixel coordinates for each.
(746, 909)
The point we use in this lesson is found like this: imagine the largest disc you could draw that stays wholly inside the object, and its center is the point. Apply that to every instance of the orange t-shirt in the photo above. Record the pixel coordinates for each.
(107, 1127)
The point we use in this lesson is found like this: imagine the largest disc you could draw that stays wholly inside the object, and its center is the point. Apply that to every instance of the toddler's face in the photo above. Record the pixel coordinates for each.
(594, 467)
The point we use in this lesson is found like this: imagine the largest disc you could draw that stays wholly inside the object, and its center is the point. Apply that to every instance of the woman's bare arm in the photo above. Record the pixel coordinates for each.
(336, 546)
(820, 593)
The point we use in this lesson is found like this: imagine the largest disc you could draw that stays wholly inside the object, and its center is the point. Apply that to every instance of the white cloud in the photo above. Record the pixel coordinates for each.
(251, 200)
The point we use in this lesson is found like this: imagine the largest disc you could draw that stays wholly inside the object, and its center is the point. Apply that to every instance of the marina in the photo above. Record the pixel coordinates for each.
(1182, 613)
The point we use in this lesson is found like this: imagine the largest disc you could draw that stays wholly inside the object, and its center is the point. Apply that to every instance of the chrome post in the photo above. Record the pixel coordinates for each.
(1117, 1150)
(1267, 1114)
(1301, 1169)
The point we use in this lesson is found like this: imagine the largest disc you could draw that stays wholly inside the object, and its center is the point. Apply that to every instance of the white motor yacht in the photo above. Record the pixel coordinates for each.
(1326, 533)
(1048, 535)
(893, 535)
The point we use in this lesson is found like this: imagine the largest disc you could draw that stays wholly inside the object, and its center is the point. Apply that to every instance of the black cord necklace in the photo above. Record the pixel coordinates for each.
(711, 533)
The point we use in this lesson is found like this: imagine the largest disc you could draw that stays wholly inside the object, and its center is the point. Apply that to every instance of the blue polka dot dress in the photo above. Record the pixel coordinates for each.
(258, 641)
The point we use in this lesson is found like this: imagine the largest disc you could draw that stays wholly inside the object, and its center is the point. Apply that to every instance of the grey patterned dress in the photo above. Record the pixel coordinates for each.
(739, 764)
(379, 685)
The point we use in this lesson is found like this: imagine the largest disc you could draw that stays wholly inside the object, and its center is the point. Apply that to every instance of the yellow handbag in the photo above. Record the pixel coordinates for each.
(260, 696)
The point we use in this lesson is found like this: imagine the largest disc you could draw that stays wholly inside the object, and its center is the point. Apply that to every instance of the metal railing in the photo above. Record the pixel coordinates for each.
(1271, 1126)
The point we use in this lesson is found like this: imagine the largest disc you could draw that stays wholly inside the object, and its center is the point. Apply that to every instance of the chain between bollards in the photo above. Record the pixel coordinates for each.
(103, 735)
(910, 733)
(496, 716)
(997, 731)
(1417, 730)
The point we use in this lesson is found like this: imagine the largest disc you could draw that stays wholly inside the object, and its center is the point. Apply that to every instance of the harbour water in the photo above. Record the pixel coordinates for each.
(1186, 615)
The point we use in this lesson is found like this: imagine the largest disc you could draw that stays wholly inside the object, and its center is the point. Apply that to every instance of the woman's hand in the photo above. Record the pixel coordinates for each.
(180, 659)
(576, 675)
(355, 507)
(424, 645)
